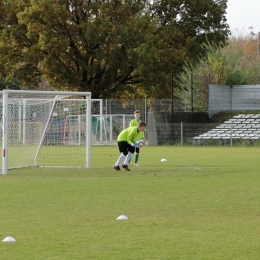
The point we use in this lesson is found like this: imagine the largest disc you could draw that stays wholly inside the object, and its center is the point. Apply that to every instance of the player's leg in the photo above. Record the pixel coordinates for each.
(128, 157)
(137, 152)
(122, 146)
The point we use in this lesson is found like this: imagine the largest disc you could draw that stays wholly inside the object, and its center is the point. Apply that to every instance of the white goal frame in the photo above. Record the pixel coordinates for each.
(5, 95)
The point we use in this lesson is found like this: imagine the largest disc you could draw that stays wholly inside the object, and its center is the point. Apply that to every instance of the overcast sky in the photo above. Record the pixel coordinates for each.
(242, 14)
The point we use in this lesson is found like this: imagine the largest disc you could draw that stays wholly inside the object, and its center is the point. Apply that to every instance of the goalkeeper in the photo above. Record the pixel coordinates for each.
(135, 122)
(127, 142)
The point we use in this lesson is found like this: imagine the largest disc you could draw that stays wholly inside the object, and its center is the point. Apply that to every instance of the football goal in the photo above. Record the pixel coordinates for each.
(74, 129)
(35, 129)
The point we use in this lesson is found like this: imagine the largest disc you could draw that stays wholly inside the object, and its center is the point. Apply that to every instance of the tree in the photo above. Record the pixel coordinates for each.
(111, 48)
(238, 63)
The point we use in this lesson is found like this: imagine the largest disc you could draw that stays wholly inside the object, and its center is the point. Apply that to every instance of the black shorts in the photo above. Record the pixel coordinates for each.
(125, 147)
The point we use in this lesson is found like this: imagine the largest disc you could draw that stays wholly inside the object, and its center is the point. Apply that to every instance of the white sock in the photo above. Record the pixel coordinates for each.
(128, 157)
(120, 158)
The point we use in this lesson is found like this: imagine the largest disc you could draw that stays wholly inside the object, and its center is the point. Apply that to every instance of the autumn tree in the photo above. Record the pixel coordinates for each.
(112, 48)
(238, 63)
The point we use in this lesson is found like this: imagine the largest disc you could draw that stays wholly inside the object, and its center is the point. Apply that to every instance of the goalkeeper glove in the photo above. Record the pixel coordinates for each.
(134, 144)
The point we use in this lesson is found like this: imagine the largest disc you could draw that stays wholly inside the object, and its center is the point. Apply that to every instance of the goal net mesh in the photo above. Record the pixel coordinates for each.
(40, 134)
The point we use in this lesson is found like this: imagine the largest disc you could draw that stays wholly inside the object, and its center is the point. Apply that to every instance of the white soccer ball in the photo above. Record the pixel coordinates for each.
(140, 143)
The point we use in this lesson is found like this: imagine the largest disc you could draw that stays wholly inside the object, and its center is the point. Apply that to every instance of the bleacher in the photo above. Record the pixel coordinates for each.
(243, 126)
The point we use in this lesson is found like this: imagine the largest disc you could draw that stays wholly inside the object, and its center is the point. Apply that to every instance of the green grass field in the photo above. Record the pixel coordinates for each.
(203, 203)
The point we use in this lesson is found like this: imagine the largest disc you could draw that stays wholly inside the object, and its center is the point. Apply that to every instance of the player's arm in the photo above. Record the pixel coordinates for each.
(131, 136)
(139, 136)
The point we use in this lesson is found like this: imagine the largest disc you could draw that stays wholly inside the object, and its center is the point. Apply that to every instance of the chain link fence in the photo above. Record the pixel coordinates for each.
(169, 122)
(128, 106)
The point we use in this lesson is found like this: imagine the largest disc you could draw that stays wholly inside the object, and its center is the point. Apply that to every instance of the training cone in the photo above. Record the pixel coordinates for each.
(9, 239)
(122, 217)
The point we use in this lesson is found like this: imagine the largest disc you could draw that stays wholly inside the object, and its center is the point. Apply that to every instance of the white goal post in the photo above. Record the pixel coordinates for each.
(34, 127)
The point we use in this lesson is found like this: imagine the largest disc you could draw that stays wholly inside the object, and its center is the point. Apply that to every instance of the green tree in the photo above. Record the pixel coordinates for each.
(111, 48)
(237, 63)
(9, 85)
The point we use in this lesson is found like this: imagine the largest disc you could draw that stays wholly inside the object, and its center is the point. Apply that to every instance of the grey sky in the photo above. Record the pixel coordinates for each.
(241, 14)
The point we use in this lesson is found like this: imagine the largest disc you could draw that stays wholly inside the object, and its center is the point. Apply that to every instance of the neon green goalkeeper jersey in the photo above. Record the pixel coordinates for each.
(130, 134)
(134, 122)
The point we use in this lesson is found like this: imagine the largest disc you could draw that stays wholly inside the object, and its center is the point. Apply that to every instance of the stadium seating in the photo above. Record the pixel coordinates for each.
(243, 126)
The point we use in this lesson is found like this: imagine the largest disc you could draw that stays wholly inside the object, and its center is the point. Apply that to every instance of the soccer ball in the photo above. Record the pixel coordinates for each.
(140, 143)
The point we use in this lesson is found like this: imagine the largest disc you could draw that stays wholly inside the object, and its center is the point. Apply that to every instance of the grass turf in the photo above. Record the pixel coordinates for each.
(203, 203)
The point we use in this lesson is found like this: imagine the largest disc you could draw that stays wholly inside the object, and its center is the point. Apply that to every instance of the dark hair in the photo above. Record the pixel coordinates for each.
(141, 124)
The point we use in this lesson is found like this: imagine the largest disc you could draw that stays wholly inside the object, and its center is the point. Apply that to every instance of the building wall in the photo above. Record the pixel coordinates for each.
(233, 98)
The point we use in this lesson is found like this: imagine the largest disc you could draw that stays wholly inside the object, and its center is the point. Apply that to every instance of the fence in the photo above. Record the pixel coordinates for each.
(182, 134)
(158, 114)
(178, 134)
(169, 122)
(128, 106)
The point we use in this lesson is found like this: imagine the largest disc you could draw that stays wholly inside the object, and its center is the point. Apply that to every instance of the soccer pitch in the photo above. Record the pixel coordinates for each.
(203, 203)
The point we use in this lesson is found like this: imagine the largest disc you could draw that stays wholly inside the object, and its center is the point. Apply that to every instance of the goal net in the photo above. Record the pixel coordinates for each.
(100, 134)
(35, 129)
